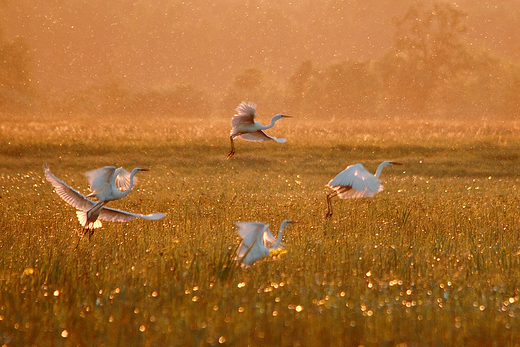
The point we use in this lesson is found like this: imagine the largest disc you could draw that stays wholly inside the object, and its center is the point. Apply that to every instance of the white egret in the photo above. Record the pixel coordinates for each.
(243, 125)
(356, 182)
(88, 212)
(257, 241)
(108, 183)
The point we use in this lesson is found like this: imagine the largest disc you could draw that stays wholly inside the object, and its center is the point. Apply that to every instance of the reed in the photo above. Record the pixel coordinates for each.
(432, 260)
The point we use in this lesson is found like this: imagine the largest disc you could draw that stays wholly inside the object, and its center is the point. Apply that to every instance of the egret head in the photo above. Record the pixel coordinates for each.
(287, 222)
(279, 116)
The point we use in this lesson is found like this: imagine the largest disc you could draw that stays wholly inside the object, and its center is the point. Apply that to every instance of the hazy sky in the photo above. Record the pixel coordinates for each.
(160, 43)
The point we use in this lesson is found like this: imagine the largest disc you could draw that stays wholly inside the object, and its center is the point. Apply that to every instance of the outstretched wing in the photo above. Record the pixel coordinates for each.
(123, 179)
(70, 195)
(355, 182)
(245, 114)
(82, 218)
(251, 248)
(249, 231)
(268, 238)
(113, 215)
(99, 178)
(260, 136)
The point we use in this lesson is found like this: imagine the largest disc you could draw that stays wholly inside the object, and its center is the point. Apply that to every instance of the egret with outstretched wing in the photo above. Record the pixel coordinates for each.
(108, 183)
(243, 125)
(257, 241)
(88, 212)
(356, 182)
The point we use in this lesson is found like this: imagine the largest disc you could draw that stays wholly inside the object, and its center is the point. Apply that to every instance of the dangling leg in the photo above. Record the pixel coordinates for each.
(232, 151)
(90, 232)
(81, 235)
(329, 203)
(79, 240)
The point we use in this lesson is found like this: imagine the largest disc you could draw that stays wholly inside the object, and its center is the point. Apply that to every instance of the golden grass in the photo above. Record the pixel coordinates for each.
(432, 260)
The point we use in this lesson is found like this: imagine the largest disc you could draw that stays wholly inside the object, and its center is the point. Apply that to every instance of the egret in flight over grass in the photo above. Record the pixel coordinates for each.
(257, 241)
(243, 125)
(356, 182)
(108, 183)
(89, 216)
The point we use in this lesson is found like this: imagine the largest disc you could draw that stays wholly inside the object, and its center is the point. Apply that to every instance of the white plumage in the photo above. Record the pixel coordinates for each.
(257, 241)
(108, 183)
(356, 182)
(90, 213)
(243, 125)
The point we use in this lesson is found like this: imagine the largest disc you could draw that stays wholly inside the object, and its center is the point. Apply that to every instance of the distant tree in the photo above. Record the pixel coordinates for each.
(343, 89)
(110, 97)
(299, 85)
(428, 54)
(253, 85)
(511, 104)
(350, 89)
(249, 83)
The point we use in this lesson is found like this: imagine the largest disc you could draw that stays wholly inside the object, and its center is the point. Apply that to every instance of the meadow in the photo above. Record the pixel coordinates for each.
(433, 260)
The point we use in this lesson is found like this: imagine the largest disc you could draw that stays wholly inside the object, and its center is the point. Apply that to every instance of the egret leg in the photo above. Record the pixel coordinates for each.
(81, 235)
(232, 151)
(90, 232)
(79, 240)
(329, 203)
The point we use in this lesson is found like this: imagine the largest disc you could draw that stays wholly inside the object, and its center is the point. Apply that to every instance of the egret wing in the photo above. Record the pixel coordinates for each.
(245, 114)
(70, 195)
(123, 179)
(113, 215)
(83, 218)
(251, 248)
(356, 177)
(260, 136)
(268, 238)
(99, 179)
(351, 193)
(246, 108)
(250, 231)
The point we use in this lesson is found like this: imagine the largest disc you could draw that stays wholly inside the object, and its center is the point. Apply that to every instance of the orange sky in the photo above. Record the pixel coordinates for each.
(159, 43)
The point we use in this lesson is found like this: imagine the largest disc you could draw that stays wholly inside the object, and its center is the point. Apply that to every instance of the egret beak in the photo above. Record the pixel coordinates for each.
(284, 116)
(396, 163)
(294, 222)
(145, 170)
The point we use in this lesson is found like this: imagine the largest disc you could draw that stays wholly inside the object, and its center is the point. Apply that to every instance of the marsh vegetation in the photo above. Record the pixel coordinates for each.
(432, 260)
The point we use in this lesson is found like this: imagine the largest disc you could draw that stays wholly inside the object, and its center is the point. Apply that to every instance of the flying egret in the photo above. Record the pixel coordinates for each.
(243, 125)
(108, 183)
(88, 212)
(356, 182)
(257, 241)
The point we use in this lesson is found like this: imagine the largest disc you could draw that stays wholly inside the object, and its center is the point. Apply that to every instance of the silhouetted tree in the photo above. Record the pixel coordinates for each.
(350, 89)
(253, 85)
(344, 89)
(298, 86)
(428, 54)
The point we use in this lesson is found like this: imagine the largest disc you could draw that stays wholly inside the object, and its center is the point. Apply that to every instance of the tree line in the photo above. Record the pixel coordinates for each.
(430, 70)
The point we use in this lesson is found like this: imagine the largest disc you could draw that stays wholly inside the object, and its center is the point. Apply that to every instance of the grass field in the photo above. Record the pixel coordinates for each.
(433, 260)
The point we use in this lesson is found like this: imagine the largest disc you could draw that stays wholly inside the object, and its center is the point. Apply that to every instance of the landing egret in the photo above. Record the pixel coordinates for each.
(356, 182)
(88, 212)
(243, 125)
(257, 241)
(108, 183)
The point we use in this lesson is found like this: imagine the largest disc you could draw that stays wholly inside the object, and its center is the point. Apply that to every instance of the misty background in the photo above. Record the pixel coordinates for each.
(307, 58)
